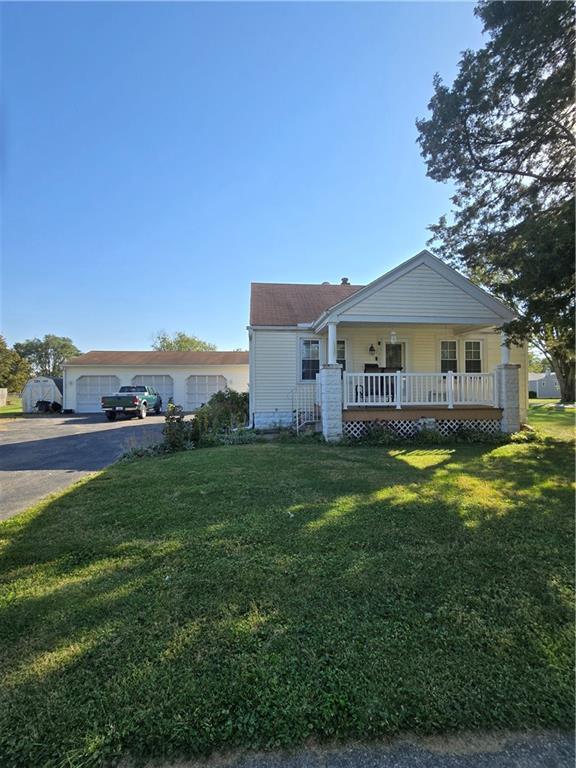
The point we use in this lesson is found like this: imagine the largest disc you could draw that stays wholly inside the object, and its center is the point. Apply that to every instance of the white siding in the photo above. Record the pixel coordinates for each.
(275, 360)
(424, 293)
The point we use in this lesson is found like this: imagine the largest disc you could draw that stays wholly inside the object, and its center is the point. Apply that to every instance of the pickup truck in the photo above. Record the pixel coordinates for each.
(132, 401)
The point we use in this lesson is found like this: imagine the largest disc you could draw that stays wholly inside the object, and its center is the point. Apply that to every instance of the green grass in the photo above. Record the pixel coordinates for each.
(257, 596)
(552, 421)
(12, 408)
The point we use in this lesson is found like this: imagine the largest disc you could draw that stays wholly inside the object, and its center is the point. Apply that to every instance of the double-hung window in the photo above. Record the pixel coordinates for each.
(309, 359)
(448, 356)
(473, 356)
(341, 353)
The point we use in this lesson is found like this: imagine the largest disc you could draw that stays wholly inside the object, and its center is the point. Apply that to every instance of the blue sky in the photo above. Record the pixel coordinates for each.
(160, 157)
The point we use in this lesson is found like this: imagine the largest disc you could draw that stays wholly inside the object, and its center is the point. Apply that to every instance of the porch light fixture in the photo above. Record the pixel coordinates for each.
(371, 350)
(393, 337)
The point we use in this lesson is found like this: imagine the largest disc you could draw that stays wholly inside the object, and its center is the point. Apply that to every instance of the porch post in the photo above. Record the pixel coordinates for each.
(504, 349)
(450, 388)
(331, 343)
(508, 396)
(330, 377)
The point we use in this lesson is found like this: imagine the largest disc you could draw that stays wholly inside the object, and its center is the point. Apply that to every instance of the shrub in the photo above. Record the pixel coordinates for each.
(226, 410)
(428, 436)
(474, 435)
(532, 394)
(375, 434)
(179, 435)
(142, 451)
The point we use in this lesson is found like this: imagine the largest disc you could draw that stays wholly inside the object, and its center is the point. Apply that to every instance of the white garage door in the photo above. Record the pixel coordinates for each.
(201, 388)
(89, 390)
(164, 385)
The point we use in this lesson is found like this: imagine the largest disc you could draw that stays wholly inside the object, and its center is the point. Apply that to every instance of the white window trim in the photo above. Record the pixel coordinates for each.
(479, 341)
(302, 339)
(346, 349)
(458, 353)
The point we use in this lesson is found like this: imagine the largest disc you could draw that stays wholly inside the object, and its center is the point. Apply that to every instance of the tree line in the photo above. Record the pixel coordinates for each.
(46, 356)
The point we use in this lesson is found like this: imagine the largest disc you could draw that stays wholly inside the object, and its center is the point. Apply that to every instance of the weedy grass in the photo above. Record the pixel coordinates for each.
(259, 595)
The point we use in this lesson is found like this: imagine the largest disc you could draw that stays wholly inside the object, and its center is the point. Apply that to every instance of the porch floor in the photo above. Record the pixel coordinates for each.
(390, 413)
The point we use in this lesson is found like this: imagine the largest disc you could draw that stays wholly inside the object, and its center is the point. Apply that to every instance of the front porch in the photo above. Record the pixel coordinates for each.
(400, 389)
(348, 403)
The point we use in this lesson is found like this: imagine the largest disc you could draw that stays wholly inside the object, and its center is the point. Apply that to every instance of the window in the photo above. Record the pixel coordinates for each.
(448, 356)
(473, 356)
(310, 357)
(341, 353)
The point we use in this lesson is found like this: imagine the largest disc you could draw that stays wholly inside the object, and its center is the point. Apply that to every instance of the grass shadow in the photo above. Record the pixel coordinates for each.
(260, 595)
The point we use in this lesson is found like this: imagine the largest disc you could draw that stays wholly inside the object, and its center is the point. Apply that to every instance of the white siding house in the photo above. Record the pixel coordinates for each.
(419, 342)
(189, 378)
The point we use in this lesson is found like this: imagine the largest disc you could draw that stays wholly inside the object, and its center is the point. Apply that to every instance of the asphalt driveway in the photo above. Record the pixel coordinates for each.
(43, 454)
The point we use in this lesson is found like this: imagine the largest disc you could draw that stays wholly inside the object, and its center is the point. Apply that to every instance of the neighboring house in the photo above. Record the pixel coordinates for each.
(190, 378)
(544, 384)
(419, 343)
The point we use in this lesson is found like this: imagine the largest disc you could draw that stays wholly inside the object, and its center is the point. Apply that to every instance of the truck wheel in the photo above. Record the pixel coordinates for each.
(142, 411)
(158, 410)
(111, 415)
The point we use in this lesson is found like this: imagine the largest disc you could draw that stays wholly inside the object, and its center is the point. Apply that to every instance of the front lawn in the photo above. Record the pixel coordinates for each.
(257, 596)
(12, 408)
(551, 420)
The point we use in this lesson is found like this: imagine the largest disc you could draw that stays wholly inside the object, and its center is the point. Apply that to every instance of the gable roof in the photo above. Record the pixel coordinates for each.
(501, 311)
(102, 357)
(289, 304)
(294, 303)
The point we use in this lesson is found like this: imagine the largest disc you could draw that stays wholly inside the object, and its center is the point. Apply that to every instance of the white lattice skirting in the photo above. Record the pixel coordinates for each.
(408, 428)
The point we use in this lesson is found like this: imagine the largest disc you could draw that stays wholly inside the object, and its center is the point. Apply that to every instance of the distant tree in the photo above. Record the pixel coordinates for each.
(503, 133)
(536, 363)
(47, 355)
(14, 370)
(179, 342)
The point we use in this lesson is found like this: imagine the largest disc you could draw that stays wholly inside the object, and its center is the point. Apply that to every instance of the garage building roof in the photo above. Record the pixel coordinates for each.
(100, 357)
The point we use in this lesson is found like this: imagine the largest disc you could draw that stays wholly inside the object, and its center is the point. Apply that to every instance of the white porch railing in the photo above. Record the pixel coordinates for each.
(306, 404)
(398, 389)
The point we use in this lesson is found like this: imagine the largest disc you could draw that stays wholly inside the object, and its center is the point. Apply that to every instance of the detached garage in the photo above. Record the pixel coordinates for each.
(189, 378)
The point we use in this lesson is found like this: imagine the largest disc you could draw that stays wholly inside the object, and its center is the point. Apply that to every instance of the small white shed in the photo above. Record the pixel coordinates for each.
(41, 388)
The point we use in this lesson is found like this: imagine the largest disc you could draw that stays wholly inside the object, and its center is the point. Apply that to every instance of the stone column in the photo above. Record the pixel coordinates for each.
(508, 394)
(330, 378)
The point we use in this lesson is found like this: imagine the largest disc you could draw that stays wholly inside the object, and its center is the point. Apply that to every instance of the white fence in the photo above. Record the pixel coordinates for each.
(398, 389)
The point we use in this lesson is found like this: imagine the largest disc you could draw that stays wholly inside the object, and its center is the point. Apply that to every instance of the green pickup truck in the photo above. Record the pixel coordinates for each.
(132, 401)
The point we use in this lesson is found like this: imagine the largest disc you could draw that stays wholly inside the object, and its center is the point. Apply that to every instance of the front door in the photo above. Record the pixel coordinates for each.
(394, 356)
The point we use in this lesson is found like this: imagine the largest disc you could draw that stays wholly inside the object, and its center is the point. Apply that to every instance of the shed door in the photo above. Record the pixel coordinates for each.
(164, 385)
(89, 390)
(201, 388)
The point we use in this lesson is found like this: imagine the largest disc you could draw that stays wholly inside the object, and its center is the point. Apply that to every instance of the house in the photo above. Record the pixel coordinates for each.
(420, 345)
(544, 384)
(190, 378)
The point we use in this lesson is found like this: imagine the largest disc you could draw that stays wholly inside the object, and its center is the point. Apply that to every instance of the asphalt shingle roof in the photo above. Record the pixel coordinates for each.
(103, 357)
(294, 303)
